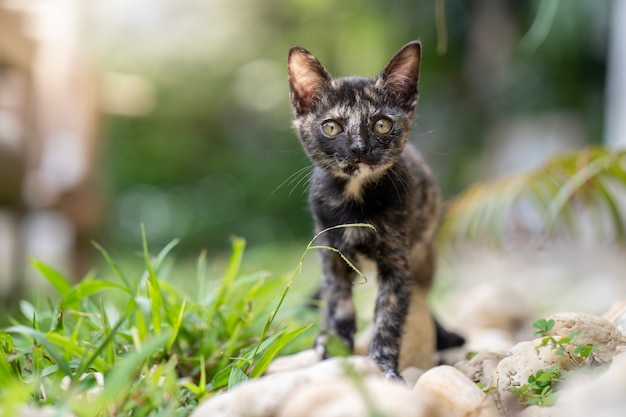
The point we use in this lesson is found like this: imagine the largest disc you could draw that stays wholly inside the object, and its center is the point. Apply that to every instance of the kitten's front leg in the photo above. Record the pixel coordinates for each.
(392, 305)
(338, 314)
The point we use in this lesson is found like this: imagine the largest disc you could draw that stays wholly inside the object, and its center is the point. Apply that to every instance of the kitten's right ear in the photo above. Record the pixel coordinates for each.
(306, 78)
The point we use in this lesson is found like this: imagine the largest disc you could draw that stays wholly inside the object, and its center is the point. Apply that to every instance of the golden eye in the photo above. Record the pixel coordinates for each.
(331, 128)
(383, 126)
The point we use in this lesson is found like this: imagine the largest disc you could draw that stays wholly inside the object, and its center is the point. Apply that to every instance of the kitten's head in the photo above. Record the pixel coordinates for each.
(354, 127)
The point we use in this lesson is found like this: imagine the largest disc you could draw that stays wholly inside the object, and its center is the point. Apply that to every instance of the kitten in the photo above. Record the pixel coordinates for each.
(355, 132)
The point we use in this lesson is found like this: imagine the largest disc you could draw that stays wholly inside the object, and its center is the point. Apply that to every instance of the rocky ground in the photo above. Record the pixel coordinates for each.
(492, 299)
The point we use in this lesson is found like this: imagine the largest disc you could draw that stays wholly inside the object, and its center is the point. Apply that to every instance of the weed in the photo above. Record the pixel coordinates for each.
(540, 387)
(161, 353)
(564, 345)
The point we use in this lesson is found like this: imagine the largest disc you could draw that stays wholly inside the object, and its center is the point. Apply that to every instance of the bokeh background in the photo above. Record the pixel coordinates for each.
(174, 113)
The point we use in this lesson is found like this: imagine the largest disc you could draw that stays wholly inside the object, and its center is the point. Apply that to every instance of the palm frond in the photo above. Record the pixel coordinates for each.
(567, 192)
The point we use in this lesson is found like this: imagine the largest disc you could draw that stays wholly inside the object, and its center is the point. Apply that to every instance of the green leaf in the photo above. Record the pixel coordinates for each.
(176, 327)
(45, 342)
(272, 350)
(237, 376)
(584, 350)
(88, 288)
(54, 277)
(123, 376)
(160, 259)
(114, 267)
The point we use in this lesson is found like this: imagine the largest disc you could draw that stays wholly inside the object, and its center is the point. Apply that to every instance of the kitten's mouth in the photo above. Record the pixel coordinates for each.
(358, 168)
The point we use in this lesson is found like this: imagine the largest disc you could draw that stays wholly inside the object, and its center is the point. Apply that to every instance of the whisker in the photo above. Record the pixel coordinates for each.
(435, 152)
(295, 177)
(400, 180)
(304, 178)
(296, 151)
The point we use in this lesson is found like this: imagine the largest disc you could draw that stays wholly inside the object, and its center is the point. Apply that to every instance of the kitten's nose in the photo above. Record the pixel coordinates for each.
(357, 147)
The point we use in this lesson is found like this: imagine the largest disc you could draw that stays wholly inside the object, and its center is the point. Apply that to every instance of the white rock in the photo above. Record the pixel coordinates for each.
(351, 398)
(590, 329)
(480, 339)
(481, 368)
(525, 360)
(299, 360)
(604, 396)
(411, 375)
(617, 315)
(538, 411)
(496, 306)
(261, 397)
(453, 394)
(527, 357)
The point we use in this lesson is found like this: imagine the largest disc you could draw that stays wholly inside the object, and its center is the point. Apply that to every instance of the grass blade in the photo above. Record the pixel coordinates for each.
(113, 265)
(54, 277)
(45, 342)
(272, 350)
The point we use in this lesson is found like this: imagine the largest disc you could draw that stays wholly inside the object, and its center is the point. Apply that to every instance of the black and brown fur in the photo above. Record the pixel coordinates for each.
(367, 175)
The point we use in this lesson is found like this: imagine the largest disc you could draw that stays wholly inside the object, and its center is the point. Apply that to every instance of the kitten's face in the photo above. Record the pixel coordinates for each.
(354, 127)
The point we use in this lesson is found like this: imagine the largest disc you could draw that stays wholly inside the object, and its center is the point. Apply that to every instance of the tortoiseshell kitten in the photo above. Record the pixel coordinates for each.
(355, 132)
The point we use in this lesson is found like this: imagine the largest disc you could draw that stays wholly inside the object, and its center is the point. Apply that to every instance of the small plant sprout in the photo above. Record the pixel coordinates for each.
(564, 345)
(540, 387)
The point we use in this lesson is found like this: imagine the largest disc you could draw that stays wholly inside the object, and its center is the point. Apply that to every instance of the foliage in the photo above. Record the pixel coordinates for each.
(220, 130)
(563, 345)
(556, 194)
(158, 354)
(541, 386)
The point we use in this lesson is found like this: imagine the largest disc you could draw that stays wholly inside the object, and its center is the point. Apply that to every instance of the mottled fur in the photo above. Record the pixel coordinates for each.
(364, 176)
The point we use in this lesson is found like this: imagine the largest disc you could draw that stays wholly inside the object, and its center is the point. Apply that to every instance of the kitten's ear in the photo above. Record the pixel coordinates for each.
(306, 78)
(401, 74)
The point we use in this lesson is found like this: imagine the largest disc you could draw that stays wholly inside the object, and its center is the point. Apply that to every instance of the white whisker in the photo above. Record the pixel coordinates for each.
(297, 178)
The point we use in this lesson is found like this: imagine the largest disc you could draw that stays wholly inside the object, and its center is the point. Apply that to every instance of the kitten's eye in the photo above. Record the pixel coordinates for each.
(383, 126)
(331, 128)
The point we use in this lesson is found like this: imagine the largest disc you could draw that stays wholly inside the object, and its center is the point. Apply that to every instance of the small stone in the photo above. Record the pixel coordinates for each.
(592, 330)
(357, 398)
(539, 411)
(481, 368)
(495, 306)
(526, 359)
(617, 315)
(453, 394)
(263, 396)
(603, 395)
(411, 375)
(299, 360)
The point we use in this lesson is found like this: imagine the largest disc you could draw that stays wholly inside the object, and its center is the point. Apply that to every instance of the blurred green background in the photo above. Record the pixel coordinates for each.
(194, 136)
(215, 155)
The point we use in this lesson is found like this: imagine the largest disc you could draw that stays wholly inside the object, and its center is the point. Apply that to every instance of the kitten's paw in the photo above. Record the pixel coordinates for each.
(393, 375)
(320, 346)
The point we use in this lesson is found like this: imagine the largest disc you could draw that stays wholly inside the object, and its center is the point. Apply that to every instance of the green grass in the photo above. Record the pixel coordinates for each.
(160, 348)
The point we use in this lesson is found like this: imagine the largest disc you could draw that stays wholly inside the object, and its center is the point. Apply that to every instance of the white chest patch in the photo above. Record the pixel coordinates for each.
(354, 186)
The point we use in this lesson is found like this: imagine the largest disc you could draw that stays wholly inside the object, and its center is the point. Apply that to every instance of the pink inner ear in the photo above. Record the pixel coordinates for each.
(306, 76)
(403, 71)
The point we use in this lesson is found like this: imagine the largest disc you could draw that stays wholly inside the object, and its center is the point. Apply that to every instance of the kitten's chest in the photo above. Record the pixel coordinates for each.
(379, 205)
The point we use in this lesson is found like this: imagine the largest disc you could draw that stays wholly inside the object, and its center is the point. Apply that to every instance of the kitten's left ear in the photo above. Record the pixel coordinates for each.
(401, 74)
(307, 77)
